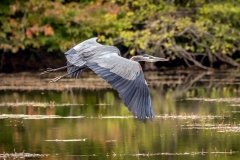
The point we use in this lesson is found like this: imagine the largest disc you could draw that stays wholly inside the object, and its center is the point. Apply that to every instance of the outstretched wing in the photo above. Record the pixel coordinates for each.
(127, 78)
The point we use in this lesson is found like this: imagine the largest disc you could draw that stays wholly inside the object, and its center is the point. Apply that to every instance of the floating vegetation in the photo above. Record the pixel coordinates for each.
(166, 116)
(233, 111)
(236, 105)
(111, 140)
(22, 155)
(215, 99)
(38, 104)
(30, 155)
(23, 116)
(113, 117)
(162, 154)
(185, 79)
(66, 140)
(176, 154)
(222, 127)
(102, 104)
(28, 81)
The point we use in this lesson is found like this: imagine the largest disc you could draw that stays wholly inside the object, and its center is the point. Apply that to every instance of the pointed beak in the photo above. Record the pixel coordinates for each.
(156, 59)
(161, 59)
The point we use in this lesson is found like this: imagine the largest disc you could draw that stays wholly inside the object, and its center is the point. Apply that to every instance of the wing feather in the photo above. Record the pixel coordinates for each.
(127, 78)
(74, 68)
(122, 74)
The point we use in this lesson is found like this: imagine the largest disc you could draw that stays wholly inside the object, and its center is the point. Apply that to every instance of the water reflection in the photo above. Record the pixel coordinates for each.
(94, 124)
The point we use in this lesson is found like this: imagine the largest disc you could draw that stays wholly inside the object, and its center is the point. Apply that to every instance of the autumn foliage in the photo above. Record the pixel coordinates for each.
(199, 32)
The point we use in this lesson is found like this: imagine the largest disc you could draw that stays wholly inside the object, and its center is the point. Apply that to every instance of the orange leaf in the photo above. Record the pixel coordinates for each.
(48, 31)
(113, 11)
(28, 33)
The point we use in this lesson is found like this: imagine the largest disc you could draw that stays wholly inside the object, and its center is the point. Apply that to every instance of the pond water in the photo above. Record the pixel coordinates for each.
(197, 116)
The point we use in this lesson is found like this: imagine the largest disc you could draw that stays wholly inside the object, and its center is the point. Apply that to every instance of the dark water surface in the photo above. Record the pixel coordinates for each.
(197, 117)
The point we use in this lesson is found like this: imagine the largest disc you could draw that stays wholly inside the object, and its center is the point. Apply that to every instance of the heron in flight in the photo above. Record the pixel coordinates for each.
(124, 75)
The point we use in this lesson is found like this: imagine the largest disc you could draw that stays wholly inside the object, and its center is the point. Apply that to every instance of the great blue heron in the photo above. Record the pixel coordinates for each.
(124, 75)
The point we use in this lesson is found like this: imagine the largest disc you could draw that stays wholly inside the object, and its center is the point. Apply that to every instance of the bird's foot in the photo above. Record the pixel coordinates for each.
(55, 79)
(47, 71)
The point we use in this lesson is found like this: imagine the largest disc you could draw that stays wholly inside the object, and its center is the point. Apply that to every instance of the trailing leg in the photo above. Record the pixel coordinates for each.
(57, 69)
(60, 77)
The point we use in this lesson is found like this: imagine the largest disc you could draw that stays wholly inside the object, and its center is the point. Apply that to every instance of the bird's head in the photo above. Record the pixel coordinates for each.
(148, 58)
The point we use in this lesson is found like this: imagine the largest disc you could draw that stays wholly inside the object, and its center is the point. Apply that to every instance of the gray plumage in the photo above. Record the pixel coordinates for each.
(124, 75)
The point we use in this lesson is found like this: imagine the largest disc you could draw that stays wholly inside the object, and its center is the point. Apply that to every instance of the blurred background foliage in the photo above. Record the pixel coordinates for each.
(201, 33)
